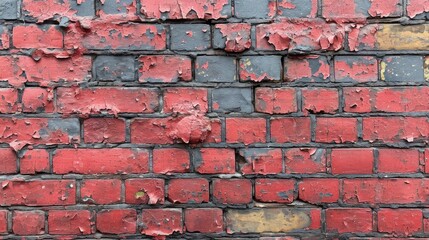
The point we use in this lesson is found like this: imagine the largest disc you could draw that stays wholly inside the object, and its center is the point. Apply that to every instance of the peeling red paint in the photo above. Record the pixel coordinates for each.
(104, 161)
(185, 100)
(161, 222)
(300, 34)
(128, 15)
(144, 191)
(301, 68)
(38, 100)
(19, 132)
(360, 69)
(191, 129)
(263, 161)
(305, 160)
(8, 100)
(385, 8)
(362, 37)
(33, 36)
(416, 7)
(93, 100)
(275, 100)
(4, 38)
(165, 69)
(48, 9)
(184, 9)
(237, 36)
(76, 222)
(105, 35)
(38, 192)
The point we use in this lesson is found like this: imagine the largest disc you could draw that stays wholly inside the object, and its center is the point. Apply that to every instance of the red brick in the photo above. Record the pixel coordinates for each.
(3, 221)
(350, 10)
(310, 68)
(275, 100)
(104, 130)
(40, 11)
(37, 36)
(185, 100)
(50, 70)
(400, 222)
(295, 130)
(28, 222)
(319, 190)
(410, 99)
(38, 192)
(8, 100)
(232, 191)
(245, 130)
(426, 160)
(337, 130)
(318, 100)
(416, 7)
(161, 222)
(109, 35)
(275, 190)
(76, 222)
(349, 220)
(165, 69)
(117, 221)
(8, 161)
(357, 100)
(93, 101)
(356, 69)
(183, 9)
(395, 129)
(38, 100)
(19, 132)
(385, 191)
(101, 161)
(35, 161)
(170, 160)
(305, 160)
(4, 38)
(189, 190)
(232, 37)
(261, 161)
(352, 161)
(101, 191)
(214, 161)
(204, 220)
(193, 128)
(144, 191)
(298, 34)
(398, 160)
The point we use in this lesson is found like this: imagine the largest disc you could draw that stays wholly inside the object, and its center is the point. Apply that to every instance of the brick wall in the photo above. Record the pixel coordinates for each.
(243, 119)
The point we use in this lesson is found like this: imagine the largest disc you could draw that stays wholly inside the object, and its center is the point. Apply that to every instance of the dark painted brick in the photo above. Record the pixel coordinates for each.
(255, 8)
(190, 37)
(9, 9)
(215, 69)
(402, 69)
(232, 100)
(114, 6)
(259, 68)
(297, 8)
(114, 68)
(84, 9)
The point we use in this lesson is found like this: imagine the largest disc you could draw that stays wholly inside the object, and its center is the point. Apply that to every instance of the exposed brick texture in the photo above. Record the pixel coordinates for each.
(214, 119)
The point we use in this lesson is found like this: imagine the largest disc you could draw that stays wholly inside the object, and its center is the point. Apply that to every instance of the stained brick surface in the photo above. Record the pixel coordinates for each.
(214, 119)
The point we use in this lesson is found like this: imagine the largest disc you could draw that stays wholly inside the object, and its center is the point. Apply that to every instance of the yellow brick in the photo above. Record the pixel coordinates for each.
(267, 220)
(399, 37)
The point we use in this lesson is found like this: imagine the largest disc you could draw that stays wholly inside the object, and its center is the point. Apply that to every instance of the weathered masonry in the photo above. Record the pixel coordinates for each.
(214, 119)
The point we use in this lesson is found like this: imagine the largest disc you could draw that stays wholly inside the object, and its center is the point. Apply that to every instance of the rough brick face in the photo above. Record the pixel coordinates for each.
(214, 119)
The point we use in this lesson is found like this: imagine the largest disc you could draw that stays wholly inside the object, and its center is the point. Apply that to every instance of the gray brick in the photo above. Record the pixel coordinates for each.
(114, 6)
(86, 8)
(301, 9)
(109, 68)
(232, 100)
(402, 69)
(259, 68)
(254, 8)
(215, 69)
(9, 9)
(190, 37)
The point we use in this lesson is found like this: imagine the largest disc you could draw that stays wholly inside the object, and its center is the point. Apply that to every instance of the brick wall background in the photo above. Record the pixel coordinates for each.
(202, 119)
